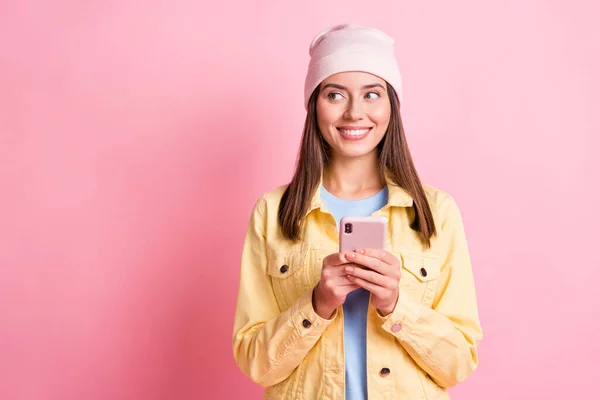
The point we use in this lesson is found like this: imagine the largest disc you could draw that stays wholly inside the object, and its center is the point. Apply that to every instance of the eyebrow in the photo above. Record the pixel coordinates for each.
(336, 86)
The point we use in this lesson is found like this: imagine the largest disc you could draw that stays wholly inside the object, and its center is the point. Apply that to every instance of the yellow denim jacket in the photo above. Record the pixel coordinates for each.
(426, 345)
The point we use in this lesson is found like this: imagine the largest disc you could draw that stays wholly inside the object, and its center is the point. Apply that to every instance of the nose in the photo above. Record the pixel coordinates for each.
(354, 111)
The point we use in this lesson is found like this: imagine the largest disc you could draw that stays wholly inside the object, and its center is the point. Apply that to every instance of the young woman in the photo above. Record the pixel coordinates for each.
(311, 322)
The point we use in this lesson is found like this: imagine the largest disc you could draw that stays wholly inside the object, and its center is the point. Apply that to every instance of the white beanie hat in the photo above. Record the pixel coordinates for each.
(350, 47)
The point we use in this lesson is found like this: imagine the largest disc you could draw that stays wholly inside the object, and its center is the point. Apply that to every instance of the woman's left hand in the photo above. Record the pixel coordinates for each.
(381, 279)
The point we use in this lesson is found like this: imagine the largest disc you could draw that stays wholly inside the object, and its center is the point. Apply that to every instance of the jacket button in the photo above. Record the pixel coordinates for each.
(396, 328)
(384, 372)
(284, 268)
(306, 323)
(423, 272)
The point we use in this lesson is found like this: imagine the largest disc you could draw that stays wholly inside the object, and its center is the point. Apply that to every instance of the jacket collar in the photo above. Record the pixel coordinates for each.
(397, 196)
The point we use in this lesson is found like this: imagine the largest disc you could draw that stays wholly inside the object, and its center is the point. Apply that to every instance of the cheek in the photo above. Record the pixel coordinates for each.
(326, 116)
(324, 113)
(381, 116)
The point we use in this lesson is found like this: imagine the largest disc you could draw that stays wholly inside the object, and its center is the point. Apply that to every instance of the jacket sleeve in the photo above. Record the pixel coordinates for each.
(443, 339)
(269, 344)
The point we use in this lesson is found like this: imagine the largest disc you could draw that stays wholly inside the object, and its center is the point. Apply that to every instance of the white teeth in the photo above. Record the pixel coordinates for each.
(354, 132)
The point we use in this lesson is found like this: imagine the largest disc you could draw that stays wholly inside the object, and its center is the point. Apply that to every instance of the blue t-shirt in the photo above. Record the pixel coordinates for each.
(357, 302)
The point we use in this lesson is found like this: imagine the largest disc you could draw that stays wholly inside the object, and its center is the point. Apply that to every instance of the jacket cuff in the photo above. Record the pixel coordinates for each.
(305, 319)
(401, 321)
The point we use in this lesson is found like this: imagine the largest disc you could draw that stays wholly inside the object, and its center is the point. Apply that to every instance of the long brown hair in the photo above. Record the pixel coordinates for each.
(394, 156)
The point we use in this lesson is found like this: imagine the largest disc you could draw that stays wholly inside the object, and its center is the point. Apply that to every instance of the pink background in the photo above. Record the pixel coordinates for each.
(134, 140)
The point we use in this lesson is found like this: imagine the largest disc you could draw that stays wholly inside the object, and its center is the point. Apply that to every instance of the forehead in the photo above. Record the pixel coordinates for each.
(353, 79)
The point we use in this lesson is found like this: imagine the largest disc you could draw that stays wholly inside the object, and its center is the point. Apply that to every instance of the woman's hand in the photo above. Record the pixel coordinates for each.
(334, 286)
(381, 280)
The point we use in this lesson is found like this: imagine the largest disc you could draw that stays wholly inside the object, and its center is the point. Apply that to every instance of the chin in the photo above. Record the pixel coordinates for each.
(354, 153)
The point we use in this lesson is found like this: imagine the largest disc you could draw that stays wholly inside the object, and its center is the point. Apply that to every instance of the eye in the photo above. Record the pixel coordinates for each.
(332, 96)
(372, 95)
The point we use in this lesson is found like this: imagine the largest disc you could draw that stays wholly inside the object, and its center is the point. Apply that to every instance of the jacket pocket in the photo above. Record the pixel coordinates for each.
(420, 273)
(289, 271)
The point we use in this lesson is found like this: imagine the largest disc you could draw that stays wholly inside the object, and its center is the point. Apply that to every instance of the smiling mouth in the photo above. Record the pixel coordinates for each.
(354, 133)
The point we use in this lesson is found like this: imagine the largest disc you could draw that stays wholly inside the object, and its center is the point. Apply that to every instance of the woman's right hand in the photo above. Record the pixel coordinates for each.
(334, 286)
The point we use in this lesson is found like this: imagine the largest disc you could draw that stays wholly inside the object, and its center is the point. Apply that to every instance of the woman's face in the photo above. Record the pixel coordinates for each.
(353, 113)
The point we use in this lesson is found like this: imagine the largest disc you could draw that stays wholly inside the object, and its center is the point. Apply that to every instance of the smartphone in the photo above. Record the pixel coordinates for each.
(362, 232)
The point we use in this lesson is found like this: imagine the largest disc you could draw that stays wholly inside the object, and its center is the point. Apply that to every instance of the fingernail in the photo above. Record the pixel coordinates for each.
(351, 255)
(361, 251)
(348, 269)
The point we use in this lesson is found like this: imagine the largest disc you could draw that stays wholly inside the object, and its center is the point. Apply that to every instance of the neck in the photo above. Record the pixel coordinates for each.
(351, 178)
